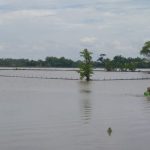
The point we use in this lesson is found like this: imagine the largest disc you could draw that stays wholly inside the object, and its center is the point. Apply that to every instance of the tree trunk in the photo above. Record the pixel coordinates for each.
(87, 78)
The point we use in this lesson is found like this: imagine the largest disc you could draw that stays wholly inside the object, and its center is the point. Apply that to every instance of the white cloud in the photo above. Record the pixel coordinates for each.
(89, 41)
(28, 27)
(19, 14)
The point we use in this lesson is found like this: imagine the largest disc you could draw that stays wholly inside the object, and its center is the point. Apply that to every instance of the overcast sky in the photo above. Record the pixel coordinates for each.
(35, 29)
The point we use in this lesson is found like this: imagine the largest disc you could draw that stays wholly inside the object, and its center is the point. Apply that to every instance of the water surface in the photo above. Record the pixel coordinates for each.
(73, 115)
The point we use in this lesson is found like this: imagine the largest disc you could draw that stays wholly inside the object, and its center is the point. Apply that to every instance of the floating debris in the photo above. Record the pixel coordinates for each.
(109, 131)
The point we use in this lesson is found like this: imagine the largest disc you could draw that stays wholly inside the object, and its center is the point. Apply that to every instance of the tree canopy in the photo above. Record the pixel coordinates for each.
(86, 67)
(62, 62)
(145, 51)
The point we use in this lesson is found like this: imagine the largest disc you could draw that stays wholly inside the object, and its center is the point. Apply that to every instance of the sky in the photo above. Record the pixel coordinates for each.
(36, 29)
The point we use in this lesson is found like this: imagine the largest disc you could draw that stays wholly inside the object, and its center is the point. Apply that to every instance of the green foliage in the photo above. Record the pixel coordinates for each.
(146, 93)
(121, 63)
(131, 66)
(118, 62)
(58, 62)
(86, 67)
(109, 65)
(146, 49)
(48, 62)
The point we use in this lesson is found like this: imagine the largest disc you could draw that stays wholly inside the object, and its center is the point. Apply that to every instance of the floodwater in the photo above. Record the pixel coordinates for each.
(71, 74)
(49, 114)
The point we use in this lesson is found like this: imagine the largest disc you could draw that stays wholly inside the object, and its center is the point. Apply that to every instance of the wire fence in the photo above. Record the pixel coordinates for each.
(62, 78)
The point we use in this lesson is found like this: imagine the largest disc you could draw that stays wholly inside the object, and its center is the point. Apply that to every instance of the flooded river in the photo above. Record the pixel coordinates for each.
(72, 114)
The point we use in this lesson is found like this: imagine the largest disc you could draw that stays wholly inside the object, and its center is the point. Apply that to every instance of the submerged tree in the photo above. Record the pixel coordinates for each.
(86, 68)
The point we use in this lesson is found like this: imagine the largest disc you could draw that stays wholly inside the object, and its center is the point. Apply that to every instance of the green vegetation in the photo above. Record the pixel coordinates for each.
(146, 49)
(86, 68)
(146, 93)
(48, 62)
(119, 62)
(59, 62)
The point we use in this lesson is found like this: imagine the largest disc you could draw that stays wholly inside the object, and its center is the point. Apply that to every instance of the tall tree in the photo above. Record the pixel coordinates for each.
(146, 49)
(86, 68)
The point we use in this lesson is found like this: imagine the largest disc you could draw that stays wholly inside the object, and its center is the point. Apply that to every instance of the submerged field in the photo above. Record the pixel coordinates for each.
(72, 114)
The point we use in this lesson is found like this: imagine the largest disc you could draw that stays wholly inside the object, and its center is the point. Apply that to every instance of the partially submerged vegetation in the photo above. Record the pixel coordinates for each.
(120, 63)
(86, 68)
(147, 93)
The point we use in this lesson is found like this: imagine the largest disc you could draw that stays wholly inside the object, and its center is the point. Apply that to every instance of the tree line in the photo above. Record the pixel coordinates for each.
(48, 62)
(120, 62)
(116, 63)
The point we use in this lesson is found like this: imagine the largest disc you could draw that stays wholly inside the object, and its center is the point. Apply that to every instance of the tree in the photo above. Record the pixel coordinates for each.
(131, 66)
(109, 65)
(101, 58)
(86, 68)
(146, 49)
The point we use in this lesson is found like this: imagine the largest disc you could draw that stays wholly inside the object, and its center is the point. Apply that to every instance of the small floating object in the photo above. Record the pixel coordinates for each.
(109, 131)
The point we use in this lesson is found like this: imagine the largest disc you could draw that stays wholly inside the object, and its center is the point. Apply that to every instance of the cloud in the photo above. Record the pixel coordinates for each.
(2, 47)
(19, 14)
(88, 41)
(37, 28)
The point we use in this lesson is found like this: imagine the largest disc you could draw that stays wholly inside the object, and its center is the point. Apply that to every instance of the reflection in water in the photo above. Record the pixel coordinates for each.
(85, 101)
(147, 103)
